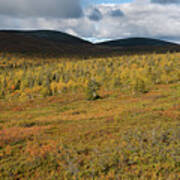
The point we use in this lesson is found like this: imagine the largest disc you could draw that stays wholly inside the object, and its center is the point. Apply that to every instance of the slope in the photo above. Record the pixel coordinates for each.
(135, 42)
(42, 42)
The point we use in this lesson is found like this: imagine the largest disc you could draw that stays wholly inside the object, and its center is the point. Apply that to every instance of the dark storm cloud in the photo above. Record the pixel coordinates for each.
(165, 1)
(95, 15)
(41, 8)
(116, 13)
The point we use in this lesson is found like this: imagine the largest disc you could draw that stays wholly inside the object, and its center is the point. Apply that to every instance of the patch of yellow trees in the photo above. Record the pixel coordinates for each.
(132, 74)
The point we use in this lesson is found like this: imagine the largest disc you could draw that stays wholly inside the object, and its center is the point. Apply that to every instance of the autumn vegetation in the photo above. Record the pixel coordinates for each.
(98, 118)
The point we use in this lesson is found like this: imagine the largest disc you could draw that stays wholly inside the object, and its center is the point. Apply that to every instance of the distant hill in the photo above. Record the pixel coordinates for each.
(136, 42)
(42, 42)
(139, 46)
(45, 43)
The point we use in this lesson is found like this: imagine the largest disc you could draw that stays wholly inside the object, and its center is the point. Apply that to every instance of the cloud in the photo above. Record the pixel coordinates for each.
(165, 1)
(41, 8)
(116, 13)
(140, 18)
(95, 15)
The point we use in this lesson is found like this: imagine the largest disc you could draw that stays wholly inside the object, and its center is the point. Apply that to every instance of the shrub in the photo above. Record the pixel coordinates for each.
(140, 86)
(46, 91)
(91, 90)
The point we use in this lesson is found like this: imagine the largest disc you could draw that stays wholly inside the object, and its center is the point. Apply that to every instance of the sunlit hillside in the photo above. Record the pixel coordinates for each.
(98, 118)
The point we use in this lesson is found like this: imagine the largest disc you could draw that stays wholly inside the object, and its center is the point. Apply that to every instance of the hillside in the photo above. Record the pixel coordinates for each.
(102, 119)
(42, 41)
(139, 46)
(45, 44)
(136, 42)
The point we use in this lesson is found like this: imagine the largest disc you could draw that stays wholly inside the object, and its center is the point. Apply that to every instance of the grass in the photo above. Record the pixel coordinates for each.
(110, 118)
(119, 136)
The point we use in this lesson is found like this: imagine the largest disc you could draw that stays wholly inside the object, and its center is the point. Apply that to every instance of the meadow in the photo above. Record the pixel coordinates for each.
(99, 118)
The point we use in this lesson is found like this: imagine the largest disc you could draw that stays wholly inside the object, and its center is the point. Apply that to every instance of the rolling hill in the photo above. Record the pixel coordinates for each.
(136, 42)
(42, 42)
(140, 45)
(46, 43)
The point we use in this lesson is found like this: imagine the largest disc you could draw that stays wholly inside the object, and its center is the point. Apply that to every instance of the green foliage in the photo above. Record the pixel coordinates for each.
(92, 90)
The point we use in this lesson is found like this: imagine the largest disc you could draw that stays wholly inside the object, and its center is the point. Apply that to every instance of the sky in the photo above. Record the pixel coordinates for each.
(95, 20)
